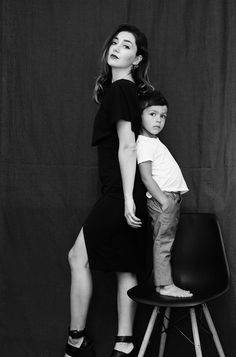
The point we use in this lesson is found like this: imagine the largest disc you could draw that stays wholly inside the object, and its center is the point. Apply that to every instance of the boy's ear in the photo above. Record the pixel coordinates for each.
(138, 60)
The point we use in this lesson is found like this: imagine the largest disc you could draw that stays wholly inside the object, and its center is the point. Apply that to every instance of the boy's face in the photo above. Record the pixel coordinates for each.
(153, 120)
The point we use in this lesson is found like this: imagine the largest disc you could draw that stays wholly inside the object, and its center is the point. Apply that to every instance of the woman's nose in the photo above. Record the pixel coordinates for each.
(117, 48)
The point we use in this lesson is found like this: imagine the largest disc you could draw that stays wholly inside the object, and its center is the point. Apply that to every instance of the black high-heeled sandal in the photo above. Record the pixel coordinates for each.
(85, 346)
(126, 339)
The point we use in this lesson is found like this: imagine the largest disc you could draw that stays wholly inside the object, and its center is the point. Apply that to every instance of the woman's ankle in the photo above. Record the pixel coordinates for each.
(76, 337)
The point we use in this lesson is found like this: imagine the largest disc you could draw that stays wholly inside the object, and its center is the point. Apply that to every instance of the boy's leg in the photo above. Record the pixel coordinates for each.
(164, 228)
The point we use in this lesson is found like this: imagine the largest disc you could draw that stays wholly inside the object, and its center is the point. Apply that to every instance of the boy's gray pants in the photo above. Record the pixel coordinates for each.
(164, 224)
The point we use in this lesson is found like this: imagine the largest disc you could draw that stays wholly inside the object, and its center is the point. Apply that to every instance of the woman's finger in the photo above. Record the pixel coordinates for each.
(134, 221)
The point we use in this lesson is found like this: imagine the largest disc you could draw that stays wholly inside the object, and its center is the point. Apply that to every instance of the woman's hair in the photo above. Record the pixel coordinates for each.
(139, 73)
(151, 98)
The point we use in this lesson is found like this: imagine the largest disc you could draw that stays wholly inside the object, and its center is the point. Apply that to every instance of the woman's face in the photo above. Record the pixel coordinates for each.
(123, 51)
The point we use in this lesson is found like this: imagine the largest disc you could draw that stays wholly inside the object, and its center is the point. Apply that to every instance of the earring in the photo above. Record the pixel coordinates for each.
(135, 66)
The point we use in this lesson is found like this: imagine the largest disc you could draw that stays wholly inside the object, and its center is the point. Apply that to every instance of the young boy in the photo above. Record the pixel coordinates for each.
(165, 185)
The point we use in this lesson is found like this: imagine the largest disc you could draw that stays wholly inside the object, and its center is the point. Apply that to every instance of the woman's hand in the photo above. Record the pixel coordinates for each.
(130, 216)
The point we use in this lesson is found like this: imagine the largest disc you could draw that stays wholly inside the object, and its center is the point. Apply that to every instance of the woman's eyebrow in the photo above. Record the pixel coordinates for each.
(116, 38)
(128, 42)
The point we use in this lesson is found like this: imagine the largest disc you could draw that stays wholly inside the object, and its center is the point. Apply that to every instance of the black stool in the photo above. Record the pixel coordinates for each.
(199, 264)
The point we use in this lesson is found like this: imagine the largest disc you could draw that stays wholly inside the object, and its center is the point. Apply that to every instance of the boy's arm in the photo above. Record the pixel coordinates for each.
(151, 185)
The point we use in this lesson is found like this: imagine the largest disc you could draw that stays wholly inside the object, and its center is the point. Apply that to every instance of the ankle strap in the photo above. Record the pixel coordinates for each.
(126, 339)
(76, 334)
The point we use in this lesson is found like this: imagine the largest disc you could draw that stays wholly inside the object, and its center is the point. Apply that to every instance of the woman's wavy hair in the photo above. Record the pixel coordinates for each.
(139, 73)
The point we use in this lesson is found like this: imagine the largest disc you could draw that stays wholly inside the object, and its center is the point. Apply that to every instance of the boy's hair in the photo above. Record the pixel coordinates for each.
(150, 98)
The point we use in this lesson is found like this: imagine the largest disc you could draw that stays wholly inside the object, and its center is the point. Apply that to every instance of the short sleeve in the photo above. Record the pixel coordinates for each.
(120, 102)
(145, 151)
(124, 104)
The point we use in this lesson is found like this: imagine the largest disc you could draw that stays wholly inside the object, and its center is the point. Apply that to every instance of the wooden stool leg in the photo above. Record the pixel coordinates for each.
(196, 338)
(163, 331)
(148, 331)
(213, 330)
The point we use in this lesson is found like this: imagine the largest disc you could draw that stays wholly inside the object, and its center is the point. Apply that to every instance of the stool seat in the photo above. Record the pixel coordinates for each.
(146, 294)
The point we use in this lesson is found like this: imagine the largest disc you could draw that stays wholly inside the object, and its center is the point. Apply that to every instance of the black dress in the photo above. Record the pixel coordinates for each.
(112, 245)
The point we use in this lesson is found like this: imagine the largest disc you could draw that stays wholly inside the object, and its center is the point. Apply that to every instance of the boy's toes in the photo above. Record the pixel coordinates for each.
(175, 291)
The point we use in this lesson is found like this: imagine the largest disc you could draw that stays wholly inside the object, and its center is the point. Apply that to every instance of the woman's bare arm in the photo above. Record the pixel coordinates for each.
(127, 161)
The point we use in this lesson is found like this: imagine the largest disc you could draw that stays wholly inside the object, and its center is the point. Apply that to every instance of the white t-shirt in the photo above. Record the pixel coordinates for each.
(165, 170)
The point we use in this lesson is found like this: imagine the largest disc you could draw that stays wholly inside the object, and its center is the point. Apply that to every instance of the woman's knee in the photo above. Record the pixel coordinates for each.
(127, 278)
(72, 258)
(77, 258)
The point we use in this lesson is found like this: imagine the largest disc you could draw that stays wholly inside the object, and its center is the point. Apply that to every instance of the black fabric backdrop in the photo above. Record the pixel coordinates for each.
(50, 58)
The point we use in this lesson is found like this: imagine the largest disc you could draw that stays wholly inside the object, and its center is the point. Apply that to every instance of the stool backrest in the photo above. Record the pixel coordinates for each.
(198, 255)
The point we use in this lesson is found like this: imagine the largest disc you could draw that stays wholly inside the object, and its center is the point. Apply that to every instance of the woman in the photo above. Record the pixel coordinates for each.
(112, 236)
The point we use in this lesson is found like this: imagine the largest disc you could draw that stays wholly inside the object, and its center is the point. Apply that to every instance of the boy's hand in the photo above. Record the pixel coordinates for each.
(165, 203)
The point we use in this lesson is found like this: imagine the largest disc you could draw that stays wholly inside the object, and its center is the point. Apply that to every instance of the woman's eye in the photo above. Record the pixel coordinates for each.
(127, 47)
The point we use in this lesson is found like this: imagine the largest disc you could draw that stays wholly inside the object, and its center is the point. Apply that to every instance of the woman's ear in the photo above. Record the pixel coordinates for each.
(137, 60)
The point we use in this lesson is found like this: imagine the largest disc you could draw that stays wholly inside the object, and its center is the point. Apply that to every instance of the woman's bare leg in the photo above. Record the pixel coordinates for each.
(126, 309)
(81, 286)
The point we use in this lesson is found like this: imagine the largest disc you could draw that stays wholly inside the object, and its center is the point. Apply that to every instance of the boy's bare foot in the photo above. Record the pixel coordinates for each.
(173, 290)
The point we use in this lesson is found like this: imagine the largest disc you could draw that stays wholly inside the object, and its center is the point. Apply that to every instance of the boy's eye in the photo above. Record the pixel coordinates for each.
(164, 116)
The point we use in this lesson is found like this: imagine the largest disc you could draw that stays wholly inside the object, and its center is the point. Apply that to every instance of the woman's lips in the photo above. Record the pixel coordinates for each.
(114, 56)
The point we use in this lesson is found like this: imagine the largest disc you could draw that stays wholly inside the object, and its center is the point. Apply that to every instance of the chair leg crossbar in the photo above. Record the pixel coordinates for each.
(195, 332)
